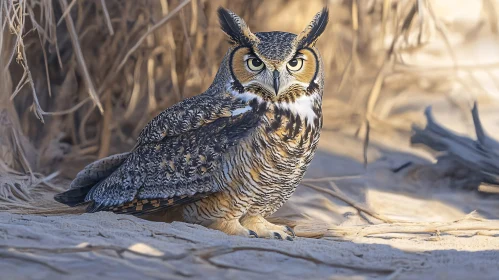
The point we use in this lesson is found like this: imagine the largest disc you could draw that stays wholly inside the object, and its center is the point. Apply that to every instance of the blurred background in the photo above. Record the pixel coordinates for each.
(80, 79)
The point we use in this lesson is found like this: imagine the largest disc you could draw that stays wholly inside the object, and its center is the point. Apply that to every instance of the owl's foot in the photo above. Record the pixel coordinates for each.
(265, 229)
(232, 227)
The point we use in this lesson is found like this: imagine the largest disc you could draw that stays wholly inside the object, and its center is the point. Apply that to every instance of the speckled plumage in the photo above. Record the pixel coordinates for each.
(231, 156)
(275, 45)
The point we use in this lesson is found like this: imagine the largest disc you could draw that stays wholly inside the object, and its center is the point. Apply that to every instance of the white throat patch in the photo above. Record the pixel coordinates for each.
(303, 107)
(240, 111)
(246, 97)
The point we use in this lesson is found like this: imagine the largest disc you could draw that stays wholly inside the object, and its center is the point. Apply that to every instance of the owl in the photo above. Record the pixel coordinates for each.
(231, 156)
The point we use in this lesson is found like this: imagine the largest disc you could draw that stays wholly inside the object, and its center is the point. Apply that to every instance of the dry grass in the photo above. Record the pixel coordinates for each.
(79, 79)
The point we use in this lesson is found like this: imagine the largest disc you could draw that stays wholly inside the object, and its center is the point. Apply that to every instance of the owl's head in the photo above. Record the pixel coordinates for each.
(273, 65)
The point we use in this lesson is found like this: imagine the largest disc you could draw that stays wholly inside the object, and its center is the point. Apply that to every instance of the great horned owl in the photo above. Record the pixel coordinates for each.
(231, 156)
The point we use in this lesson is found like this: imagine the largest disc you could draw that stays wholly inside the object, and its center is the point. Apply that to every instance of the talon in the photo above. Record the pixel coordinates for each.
(277, 236)
(252, 234)
(289, 238)
(288, 228)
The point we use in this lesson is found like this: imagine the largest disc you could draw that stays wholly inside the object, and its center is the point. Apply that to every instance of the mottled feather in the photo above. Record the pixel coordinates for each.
(183, 164)
(146, 206)
(230, 156)
(235, 28)
(88, 177)
(315, 29)
(188, 115)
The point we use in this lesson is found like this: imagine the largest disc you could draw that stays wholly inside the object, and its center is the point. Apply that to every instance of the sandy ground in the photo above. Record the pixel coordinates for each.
(125, 247)
(130, 248)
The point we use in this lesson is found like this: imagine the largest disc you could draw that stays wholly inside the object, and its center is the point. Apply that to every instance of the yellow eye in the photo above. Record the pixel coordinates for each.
(255, 64)
(295, 64)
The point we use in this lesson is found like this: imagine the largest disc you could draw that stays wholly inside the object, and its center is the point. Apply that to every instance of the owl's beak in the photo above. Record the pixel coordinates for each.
(276, 81)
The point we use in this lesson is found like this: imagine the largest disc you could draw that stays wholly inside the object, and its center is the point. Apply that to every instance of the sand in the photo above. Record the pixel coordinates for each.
(438, 240)
(114, 246)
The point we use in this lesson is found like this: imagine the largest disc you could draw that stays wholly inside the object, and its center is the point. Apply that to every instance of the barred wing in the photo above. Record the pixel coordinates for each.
(176, 168)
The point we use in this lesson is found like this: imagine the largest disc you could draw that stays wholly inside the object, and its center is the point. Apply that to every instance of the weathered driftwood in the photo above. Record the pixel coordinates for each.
(473, 161)
(468, 226)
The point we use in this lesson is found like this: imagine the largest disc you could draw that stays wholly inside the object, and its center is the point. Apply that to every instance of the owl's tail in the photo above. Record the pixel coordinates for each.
(87, 178)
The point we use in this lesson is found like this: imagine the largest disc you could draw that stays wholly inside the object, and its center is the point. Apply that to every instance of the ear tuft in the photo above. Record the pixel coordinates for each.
(235, 28)
(314, 30)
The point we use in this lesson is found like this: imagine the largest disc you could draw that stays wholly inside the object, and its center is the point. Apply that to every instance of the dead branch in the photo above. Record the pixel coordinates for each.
(156, 26)
(14, 255)
(81, 60)
(333, 178)
(480, 157)
(209, 253)
(341, 196)
(466, 224)
(92, 248)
